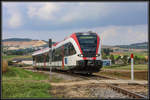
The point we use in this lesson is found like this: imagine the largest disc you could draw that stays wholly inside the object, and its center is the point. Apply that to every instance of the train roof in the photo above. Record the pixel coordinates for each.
(41, 51)
(77, 33)
(47, 49)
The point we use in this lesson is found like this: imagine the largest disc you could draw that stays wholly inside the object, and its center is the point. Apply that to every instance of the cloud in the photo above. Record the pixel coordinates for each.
(69, 12)
(60, 13)
(116, 23)
(15, 20)
(123, 35)
(15, 17)
(44, 11)
(84, 11)
(110, 35)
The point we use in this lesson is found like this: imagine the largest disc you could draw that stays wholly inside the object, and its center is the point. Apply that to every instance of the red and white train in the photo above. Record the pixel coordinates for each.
(79, 53)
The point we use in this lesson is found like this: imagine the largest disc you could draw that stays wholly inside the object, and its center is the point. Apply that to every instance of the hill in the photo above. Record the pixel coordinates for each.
(23, 43)
(143, 45)
(17, 39)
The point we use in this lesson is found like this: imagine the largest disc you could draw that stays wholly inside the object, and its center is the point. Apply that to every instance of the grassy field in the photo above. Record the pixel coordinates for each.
(127, 67)
(124, 72)
(20, 83)
(10, 57)
(138, 54)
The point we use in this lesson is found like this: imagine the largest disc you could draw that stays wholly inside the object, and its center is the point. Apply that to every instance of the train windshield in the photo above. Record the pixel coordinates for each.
(88, 44)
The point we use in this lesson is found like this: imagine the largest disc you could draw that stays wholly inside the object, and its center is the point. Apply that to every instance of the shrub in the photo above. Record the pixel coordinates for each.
(112, 59)
(4, 66)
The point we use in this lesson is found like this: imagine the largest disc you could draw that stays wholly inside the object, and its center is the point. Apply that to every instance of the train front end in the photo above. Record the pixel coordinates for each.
(90, 53)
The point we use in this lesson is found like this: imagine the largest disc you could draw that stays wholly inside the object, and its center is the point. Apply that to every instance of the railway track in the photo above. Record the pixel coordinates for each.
(83, 76)
(126, 92)
(99, 77)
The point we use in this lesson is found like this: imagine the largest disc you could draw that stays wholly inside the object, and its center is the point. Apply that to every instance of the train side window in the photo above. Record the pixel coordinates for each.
(41, 58)
(66, 50)
(71, 49)
(47, 58)
(37, 58)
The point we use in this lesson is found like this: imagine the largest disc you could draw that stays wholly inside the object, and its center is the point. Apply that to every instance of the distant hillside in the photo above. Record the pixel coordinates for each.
(24, 43)
(143, 45)
(17, 39)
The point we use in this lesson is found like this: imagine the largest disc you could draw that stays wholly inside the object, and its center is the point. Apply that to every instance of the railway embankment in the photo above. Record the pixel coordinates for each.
(20, 83)
(78, 86)
(18, 80)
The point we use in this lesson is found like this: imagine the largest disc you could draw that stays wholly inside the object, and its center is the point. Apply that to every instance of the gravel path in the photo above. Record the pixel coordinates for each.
(65, 77)
(106, 93)
(85, 91)
(69, 87)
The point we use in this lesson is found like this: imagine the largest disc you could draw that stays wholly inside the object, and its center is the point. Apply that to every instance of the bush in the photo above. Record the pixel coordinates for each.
(112, 59)
(4, 66)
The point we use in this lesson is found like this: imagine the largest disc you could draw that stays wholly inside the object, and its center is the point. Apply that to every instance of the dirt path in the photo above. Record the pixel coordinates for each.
(118, 70)
(99, 82)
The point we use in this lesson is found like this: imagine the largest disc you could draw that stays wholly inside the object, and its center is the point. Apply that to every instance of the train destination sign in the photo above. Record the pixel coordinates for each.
(86, 37)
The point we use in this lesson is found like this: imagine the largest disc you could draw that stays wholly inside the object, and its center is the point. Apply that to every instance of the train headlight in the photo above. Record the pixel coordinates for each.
(80, 55)
(97, 55)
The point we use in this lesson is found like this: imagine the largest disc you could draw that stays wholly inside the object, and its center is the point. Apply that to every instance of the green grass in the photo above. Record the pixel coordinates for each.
(21, 74)
(20, 83)
(115, 56)
(138, 54)
(127, 67)
(10, 57)
(23, 89)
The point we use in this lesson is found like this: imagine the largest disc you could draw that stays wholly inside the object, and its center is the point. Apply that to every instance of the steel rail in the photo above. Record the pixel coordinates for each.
(126, 92)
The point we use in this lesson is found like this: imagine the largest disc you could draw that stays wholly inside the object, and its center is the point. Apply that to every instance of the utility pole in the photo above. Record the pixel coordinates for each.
(50, 56)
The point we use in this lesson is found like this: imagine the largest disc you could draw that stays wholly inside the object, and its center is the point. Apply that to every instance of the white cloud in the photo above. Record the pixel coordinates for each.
(68, 12)
(15, 20)
(84, 11)
(110, 35)
(15, 17)
(45, 11)
(124, 34)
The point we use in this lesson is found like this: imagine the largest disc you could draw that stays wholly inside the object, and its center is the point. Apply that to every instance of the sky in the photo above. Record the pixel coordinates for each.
(117, 23)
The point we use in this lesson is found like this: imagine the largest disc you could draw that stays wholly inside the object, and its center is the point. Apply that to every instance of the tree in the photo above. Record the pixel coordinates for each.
(125, 59)
(112, 59)
(119, 57)
(136, 60)
(104, 55)
(106, 51)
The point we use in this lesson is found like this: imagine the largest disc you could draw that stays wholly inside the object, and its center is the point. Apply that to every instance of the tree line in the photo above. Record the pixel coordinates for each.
(125, 59)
